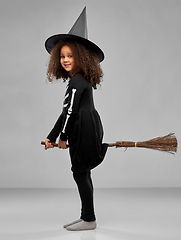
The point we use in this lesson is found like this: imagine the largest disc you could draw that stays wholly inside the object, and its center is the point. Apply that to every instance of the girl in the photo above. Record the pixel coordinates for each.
(77, 61)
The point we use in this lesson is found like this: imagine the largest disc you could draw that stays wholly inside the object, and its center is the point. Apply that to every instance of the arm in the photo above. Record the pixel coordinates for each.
(56, 129)
(77, 86)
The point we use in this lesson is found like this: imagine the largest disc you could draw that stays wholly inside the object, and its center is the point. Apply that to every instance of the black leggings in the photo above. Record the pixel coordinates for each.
(85, 187)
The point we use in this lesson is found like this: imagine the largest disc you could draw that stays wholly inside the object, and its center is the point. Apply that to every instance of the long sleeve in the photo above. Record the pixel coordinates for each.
(71, 104)
(72, 98)
(56, 129)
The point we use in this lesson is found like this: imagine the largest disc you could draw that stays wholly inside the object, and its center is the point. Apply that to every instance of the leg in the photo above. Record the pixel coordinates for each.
(85, 187)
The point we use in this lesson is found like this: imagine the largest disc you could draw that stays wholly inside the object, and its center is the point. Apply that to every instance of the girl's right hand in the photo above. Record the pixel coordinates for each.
(48, 144)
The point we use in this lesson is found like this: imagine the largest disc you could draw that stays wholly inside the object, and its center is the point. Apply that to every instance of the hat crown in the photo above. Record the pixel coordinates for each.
(80, 26)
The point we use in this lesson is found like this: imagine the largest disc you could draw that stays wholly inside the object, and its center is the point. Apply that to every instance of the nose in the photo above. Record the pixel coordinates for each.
(66, 59)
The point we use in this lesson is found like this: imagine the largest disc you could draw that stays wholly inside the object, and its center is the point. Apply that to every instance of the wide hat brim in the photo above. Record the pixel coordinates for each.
(51, 42)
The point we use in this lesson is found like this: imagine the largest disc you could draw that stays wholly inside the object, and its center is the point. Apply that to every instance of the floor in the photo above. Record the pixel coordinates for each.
(124, 214)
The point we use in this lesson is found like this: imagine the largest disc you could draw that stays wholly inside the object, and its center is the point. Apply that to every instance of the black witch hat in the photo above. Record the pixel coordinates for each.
(77, 33)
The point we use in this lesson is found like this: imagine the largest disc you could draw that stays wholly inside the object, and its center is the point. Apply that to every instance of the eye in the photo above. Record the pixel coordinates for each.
(61, 56)
(70, 56)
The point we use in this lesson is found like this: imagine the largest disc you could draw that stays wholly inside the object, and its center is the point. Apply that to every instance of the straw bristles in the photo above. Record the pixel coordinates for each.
(166, 143)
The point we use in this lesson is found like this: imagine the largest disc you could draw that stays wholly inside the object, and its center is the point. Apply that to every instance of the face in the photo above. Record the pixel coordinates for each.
(67, 59)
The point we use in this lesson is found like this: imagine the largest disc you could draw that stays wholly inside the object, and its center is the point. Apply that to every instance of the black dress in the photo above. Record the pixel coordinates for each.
(80, 124)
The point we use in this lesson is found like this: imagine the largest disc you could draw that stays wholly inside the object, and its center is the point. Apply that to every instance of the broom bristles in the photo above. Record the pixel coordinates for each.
(166, 143)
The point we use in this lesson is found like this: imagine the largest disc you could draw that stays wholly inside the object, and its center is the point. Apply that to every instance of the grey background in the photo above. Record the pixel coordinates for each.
(139, 98)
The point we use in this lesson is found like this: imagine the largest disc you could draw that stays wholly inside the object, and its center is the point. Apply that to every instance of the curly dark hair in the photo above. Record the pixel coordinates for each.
(85, 60)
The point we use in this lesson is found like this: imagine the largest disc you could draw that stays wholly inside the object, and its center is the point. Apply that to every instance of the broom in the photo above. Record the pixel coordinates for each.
(166, 143)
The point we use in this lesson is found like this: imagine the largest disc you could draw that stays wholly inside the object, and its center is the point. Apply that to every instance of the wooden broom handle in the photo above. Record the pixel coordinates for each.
(56, 145)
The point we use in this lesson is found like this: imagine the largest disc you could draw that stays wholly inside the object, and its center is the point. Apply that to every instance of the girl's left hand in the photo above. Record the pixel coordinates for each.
(62, 144)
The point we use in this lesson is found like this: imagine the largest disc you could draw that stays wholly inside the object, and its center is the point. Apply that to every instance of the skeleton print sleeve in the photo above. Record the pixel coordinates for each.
(65, 122)
(71, 105)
